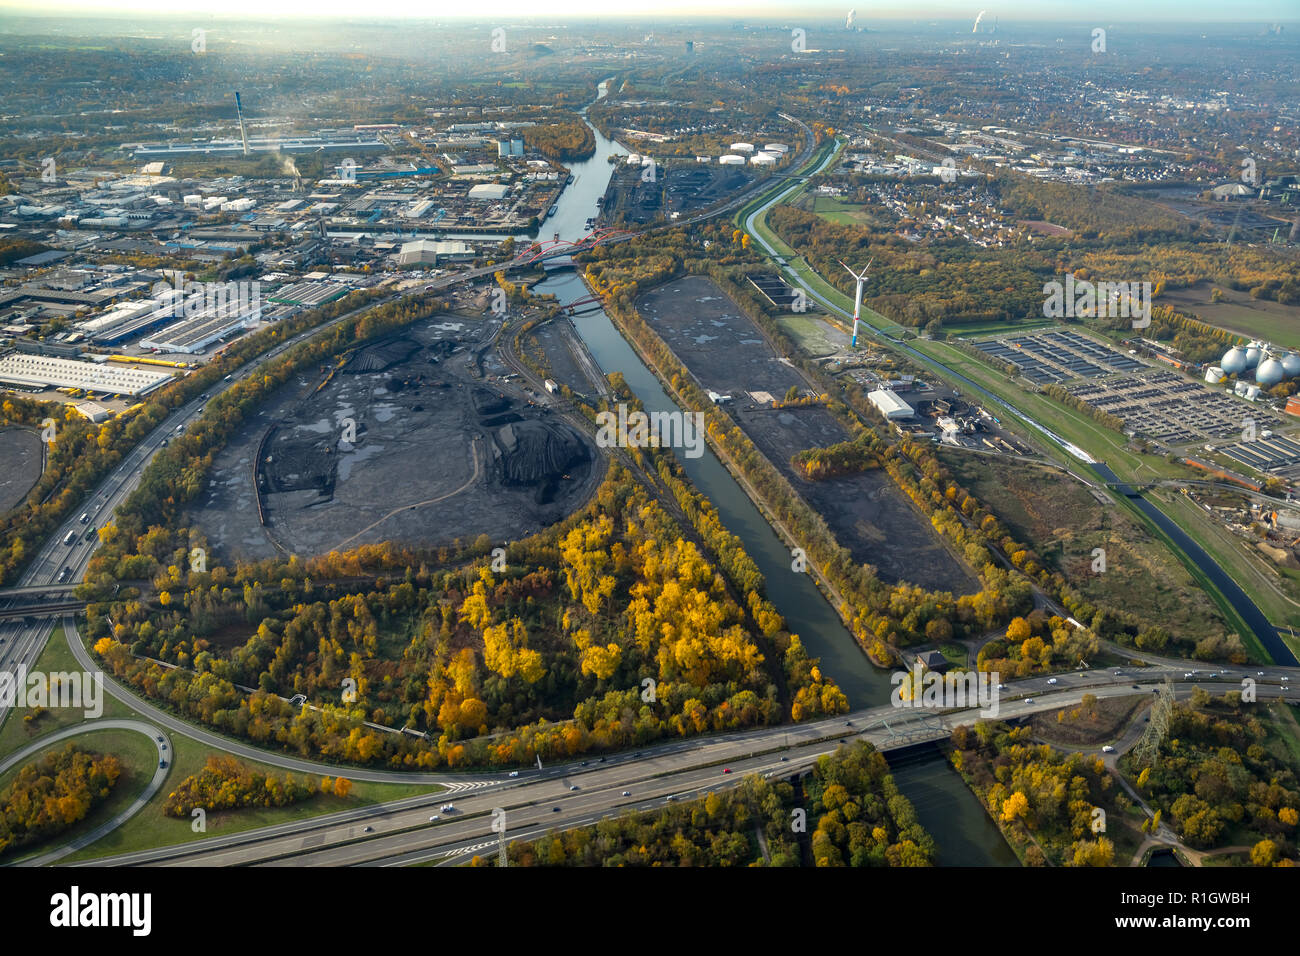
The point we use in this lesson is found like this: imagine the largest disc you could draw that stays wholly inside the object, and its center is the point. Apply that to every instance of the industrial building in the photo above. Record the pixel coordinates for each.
(431, 251)
(890, 405)
(233, 147)
(41, 372)
(489, 191)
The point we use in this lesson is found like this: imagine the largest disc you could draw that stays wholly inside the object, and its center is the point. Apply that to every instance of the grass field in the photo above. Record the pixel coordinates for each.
(1063, 522)
(56, 657)
(151, 828)
(838, 211)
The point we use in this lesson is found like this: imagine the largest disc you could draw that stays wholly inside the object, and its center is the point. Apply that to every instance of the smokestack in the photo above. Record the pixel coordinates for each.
(239, 110)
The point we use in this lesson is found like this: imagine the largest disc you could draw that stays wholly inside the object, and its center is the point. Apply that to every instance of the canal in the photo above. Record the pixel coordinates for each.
(964, 831)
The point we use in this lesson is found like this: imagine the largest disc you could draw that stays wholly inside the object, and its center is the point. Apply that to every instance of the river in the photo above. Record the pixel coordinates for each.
(946, 807)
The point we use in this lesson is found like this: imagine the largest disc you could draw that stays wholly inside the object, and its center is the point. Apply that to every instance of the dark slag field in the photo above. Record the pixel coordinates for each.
(439, 453)
(868, 514)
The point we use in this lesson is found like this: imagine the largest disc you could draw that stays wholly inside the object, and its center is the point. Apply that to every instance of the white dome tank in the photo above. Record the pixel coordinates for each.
(1214, 375)
(1269, 373)
(1234, 361)
(1253, 354)
(1291, 364)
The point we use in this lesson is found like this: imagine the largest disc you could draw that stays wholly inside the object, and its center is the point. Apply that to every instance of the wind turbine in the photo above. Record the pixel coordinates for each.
(857, 295)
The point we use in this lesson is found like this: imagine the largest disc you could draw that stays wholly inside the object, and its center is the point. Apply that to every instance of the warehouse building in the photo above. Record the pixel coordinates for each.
(489, 191)
(42, 372)
(890, 405)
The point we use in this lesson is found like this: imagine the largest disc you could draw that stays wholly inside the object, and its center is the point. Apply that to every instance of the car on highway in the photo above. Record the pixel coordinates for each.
(1002, 686)
(555, 809)
(433, 818)
(160, 738)
(85, 516)
(90, 534)
(162, 764)
(368, 830)
(1051, 680)
(1029, 700)
(64, 574)
(671, 797)
(726, 770)
(514, 773)
(70, 537)
(163, 443)
(573, 787)
(1187, 676)
(1285, 677)
(627, 793)
(1108, 749)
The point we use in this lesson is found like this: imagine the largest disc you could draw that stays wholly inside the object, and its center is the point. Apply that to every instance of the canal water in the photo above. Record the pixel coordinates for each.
(945, 805)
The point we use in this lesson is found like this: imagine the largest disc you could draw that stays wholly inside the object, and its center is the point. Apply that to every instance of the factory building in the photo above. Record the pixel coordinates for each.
(42, 372)
(509, 147)
(890, 405)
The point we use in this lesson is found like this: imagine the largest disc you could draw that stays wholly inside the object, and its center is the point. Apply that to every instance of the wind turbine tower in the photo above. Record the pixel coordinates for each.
(857, 296)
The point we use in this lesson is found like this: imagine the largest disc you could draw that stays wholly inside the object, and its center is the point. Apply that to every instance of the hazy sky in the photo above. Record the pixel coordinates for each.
(1074, 10)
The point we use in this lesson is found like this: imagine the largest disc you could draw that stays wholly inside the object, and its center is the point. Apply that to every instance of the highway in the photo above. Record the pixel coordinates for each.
(402, 833)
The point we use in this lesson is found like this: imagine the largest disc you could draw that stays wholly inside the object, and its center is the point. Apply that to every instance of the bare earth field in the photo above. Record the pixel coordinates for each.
(20, 450)
(869, 515)
(439, 453)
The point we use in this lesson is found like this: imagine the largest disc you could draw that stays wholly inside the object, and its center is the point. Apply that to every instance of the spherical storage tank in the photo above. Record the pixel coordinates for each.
(1234, 360)
(1253, 354)
(1291, 364)
(1269, 373)
(1214, 375)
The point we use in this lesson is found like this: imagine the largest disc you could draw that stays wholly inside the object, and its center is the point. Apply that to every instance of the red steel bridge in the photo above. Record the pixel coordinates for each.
(557, 247)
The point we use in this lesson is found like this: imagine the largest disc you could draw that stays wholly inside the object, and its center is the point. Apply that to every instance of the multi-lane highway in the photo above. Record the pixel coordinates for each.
(402, 832)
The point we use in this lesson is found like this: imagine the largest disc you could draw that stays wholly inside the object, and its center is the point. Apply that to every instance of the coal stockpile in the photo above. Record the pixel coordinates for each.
(536, 453)
(292, 464)
(382, 355)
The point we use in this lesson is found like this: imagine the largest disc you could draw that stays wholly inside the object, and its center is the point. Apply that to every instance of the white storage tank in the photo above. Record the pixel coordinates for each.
(763, 159)
(1291, 364)
(731, 159)
(1234, 361)
(742, 147)
(1254, 353)
(1214, 375)
(1269, 373)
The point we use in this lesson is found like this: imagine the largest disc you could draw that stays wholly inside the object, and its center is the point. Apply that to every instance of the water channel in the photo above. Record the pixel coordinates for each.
(945, 805)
